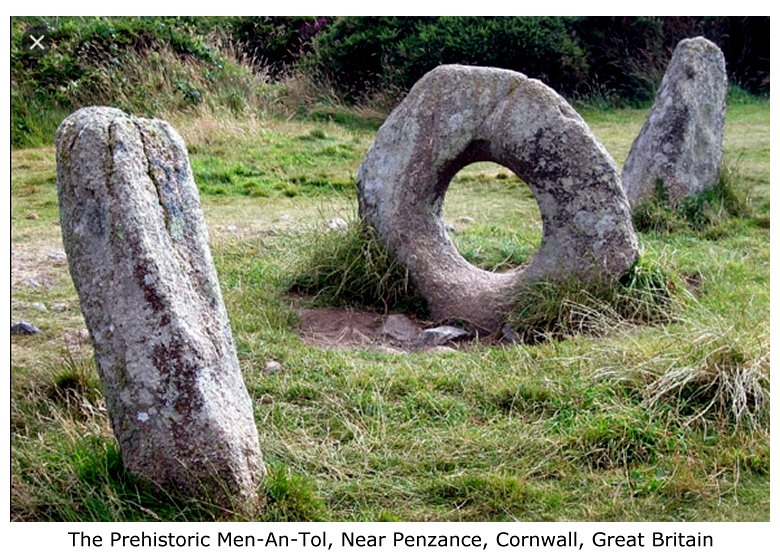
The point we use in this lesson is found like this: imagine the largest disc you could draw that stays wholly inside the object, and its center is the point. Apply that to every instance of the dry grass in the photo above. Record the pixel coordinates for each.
(729, 380)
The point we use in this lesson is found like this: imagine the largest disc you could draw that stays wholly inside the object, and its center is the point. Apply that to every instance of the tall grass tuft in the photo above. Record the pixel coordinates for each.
(75, 385)
(723, 378)
(291, 497)
(353, 268)
(553, 310)
(728, 198)
(656, 214)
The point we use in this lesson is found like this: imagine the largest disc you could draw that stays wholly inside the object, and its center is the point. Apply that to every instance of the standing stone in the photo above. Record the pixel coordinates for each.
(457, 115)
(681, 144)
(137, 248)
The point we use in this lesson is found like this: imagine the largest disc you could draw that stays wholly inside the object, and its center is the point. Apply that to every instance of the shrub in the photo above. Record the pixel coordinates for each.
(147, 66)
(618, 59)
(627, 56)
(275, 43)
(361, 54)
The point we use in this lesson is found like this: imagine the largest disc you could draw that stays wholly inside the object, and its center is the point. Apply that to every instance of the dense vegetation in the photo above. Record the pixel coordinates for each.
(619, 60)
(155, 65)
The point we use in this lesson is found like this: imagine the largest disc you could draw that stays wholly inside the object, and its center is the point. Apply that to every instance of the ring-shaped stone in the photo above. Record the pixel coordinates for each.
(457, 115)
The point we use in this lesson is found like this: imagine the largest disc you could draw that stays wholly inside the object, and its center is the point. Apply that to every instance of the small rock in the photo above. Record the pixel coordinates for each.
(272, 366)
(284, 218)
(23, 327)
(267, 399)
(39, 306)
(439, 336)
(450, 228)
(59, 306)
(509, 335)
(232, 228)
(399, 327)
(337, 224)
(32, 216)
(441, 350)
(391, 350)
(466, 220)
(57, 255)
(33, 283)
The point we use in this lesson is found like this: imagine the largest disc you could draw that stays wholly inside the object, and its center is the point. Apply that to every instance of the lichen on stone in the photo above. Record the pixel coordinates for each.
(138, 254)
(681, 143)
(457, 115)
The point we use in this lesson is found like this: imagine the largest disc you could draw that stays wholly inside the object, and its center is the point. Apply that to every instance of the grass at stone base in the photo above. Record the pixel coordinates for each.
(708, 213)
(636, 425)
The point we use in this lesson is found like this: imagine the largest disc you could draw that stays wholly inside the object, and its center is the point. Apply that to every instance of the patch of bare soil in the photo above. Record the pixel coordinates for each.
(332, 327)
(38, 266)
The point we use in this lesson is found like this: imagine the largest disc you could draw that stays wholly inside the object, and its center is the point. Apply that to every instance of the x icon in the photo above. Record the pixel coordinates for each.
(37, 42)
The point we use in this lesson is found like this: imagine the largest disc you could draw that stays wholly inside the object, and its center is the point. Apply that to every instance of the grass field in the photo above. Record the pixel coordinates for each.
(656, 422)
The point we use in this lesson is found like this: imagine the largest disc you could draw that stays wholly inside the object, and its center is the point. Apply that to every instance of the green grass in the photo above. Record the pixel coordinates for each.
(644, 295)
(709, 213)
(353, 268)
(644, 420)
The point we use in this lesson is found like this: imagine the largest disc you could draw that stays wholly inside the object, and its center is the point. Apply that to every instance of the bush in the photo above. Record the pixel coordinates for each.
(627, 56)
(274, 43)
(361, 54)
(77, 47)
(147, 66)
(619, 59)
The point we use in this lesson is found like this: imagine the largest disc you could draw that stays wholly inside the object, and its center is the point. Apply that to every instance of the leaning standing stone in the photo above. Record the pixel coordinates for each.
(137, 248)
(681, 145)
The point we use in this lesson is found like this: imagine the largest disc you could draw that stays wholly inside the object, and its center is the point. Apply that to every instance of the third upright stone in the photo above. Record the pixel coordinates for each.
(678, 152)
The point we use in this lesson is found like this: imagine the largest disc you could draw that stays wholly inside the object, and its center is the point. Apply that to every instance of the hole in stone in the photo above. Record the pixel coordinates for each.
(492, 217)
